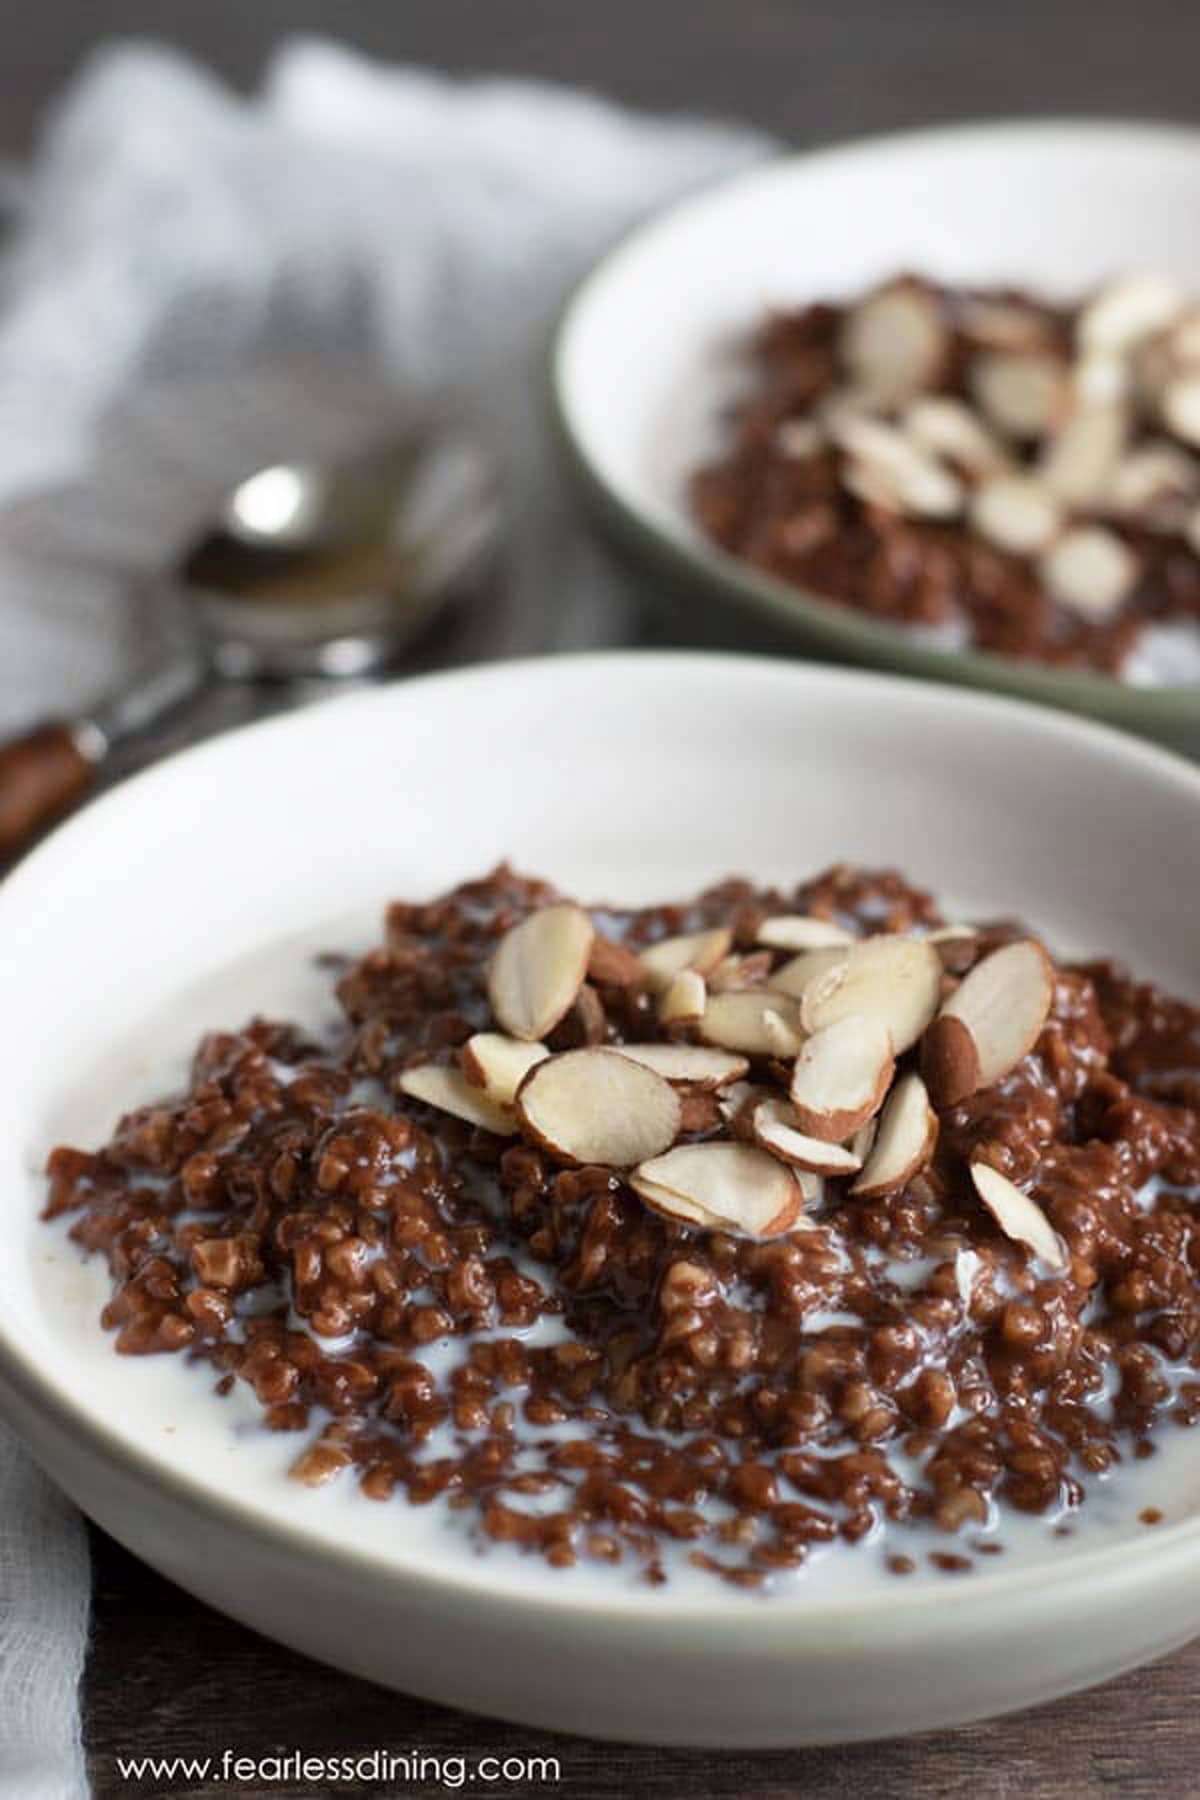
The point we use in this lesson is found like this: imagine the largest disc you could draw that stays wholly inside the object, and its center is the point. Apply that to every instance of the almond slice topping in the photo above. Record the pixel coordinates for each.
(841, 1076)
(862, 1142)
(949, 1061)
(722, 1187)
(1023, 393)
(948, 428)
(1018, 1215)
(796, 976)
(732, 1099)
(694, 1063)
(904, 1143)
(699, 950)
(1091, 571)
(757, 1021)
(1128, 309)
(612, 965)
(1004, 1002)
(683, 1002)
(893, 341)
(738, 971)
(796, 931)
(447, 1088)
(776, 1130)
(896, 980)
(1016, 513)
(499, 1064)
(1079, 463)
(891, 469)
(1181, 408)
(1100, 378)
(597, 1106)
(538, 969)
(1153, 483)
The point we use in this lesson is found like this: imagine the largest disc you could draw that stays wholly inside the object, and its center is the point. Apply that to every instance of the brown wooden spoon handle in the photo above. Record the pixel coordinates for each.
(42, 775)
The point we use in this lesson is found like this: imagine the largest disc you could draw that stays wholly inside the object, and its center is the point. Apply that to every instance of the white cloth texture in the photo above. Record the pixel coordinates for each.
(197, 284)
(200, 284)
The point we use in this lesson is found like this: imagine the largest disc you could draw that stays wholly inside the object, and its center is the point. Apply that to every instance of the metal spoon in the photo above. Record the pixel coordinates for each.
(311, 571)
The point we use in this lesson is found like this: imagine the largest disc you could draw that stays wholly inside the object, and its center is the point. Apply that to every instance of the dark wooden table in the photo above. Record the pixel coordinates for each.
(167, 1674)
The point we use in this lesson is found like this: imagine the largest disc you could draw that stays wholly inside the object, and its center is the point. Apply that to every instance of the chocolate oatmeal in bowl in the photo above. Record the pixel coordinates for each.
(989, 468)
(719, 1236)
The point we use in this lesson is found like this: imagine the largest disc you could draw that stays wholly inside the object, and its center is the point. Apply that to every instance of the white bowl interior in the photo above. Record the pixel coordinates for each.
(619, 777)
(1055, 206)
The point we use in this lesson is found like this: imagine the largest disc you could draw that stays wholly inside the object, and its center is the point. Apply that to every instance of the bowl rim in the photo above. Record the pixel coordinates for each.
(837, 629)
(28, 1388)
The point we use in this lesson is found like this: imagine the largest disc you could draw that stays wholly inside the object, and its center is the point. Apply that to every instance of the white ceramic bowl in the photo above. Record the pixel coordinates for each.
(621, 776)
(652, 343)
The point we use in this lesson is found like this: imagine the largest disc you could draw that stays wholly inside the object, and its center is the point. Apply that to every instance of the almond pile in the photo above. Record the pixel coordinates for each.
(1047, 447)
(1002, 470)
(813, 1056)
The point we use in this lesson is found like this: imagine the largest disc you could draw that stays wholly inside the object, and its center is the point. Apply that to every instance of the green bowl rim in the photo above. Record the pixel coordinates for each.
(808, 616)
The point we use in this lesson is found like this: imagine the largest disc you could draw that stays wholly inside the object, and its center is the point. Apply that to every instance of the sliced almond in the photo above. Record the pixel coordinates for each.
(888, 467)
(597, 1106)
(757, 1021)
(1023, 394)
(447, 1088)
(894, 341)
(860, 1144)
(894, 980)
(722, 1187)
(699, 950)
(947, 428)
(776, 1130)
(587, 1019)
(797, 931)
(1183, 337)
(694, 1063)
(1181, 408)
(1016, 513)
(613, 965)
(1004, 1003)
(1018, 1215)
(841, 1076)
(683, 1002)
(738, 971)
(1126, 310)
(1091, 571)
(1154, 484)
(797, 976)
(538, 969)
(904, 1143)
(499, 1064)
(1080, 462)
(870, 484)
(732, 1099)
(1099, 378)
(949, 1061)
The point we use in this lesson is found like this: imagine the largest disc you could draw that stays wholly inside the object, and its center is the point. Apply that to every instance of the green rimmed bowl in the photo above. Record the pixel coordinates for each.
(647, 352)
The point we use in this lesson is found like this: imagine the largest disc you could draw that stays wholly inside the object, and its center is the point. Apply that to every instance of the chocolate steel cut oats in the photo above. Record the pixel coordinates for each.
(1000, 471)
(890, 1221)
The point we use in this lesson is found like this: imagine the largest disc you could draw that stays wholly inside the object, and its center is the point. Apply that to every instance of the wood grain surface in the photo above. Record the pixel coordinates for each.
(166, 1673)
